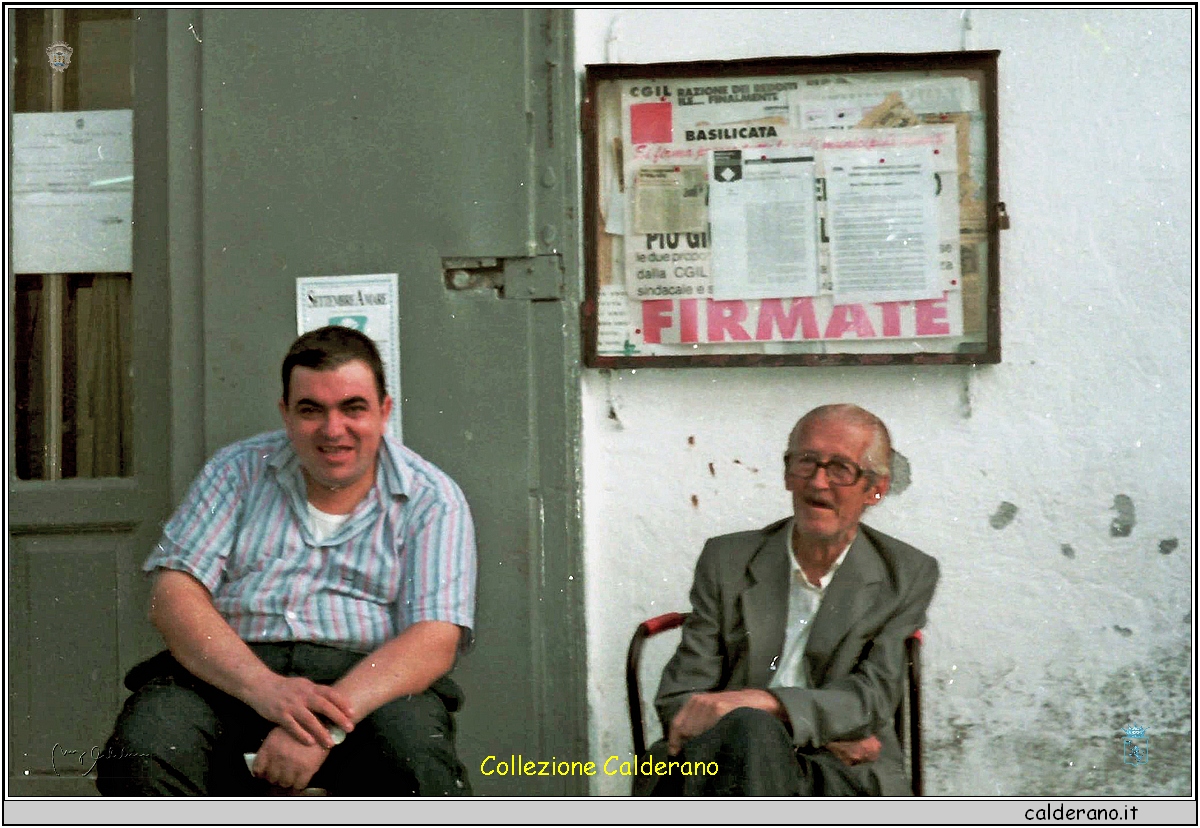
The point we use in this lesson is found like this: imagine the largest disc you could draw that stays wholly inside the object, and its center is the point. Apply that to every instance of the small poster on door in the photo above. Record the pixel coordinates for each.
(365, 303)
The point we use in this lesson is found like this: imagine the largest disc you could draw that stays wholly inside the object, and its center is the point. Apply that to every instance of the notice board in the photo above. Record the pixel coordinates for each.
(831, 210)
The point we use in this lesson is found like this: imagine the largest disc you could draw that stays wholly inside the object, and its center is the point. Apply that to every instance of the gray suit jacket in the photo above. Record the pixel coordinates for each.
(854, 660)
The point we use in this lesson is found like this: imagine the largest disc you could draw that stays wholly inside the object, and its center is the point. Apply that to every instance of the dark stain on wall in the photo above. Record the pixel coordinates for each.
(1166, 547)
(1004, 515)
(1124, 632)
(695, 502)
(901, 473)
(1122, 525)
(1067, 550)
(951, 744)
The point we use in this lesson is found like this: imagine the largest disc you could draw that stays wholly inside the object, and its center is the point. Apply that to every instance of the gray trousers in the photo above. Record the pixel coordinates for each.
(178, 735)
(754, 756)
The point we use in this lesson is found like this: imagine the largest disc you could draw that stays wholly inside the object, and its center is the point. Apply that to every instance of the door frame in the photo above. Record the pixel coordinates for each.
(123, 514)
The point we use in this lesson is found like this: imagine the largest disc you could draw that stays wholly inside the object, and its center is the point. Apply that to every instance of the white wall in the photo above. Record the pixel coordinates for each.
(1048, 634)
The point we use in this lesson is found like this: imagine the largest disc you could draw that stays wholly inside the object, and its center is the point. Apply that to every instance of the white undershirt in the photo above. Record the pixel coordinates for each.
(804, 599)
(323, 523)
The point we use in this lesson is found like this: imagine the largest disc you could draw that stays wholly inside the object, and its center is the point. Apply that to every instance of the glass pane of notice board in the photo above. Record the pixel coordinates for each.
(832, 210)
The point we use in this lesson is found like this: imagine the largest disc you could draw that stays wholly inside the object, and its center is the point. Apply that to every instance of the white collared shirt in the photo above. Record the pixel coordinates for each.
(804, 599)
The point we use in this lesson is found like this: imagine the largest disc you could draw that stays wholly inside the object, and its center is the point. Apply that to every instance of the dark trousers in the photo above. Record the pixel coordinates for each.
(752, 754)
(178, 735)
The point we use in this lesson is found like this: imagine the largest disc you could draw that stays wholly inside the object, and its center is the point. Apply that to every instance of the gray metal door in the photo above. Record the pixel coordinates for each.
(437, 144)
(274, 144)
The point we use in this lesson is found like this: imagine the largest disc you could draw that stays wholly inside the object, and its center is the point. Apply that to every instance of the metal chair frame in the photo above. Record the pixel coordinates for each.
(910, 703)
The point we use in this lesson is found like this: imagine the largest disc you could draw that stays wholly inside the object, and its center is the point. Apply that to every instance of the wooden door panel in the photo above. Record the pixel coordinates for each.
(67, 697)
(77, 600)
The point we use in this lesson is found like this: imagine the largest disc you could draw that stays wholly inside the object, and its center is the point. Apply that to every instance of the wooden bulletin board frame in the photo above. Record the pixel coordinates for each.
(835, 210)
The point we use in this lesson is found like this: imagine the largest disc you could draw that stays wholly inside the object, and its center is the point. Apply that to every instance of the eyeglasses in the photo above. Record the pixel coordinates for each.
(839, 472)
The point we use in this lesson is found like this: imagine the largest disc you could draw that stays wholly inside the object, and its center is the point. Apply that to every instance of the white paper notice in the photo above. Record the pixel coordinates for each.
(843, 105)
(72, 192)
(612, 322)
(883, 224)
(762, 210)
(365, 303)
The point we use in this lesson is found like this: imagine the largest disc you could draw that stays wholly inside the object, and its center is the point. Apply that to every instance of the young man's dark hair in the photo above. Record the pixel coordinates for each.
(330, 347)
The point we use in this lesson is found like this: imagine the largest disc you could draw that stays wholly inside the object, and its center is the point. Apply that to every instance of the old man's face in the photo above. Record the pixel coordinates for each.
(826, 512)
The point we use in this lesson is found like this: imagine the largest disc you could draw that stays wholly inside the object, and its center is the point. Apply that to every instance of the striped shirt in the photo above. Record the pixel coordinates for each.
(405, 554)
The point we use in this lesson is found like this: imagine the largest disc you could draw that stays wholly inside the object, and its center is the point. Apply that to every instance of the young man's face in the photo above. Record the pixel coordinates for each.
(825, 512)
(336, 422)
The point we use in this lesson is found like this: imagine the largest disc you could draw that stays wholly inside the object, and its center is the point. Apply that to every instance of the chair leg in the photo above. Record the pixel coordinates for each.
(913, 647)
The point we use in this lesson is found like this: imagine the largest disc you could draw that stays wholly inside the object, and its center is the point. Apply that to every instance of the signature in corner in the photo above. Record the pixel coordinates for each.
(60, 755)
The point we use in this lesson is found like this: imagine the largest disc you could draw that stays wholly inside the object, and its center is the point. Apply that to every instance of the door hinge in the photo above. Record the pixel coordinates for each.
(533, 278)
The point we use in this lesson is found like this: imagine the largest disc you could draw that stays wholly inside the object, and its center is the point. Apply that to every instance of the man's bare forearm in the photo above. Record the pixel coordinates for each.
(405, 665)
(201, 640)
